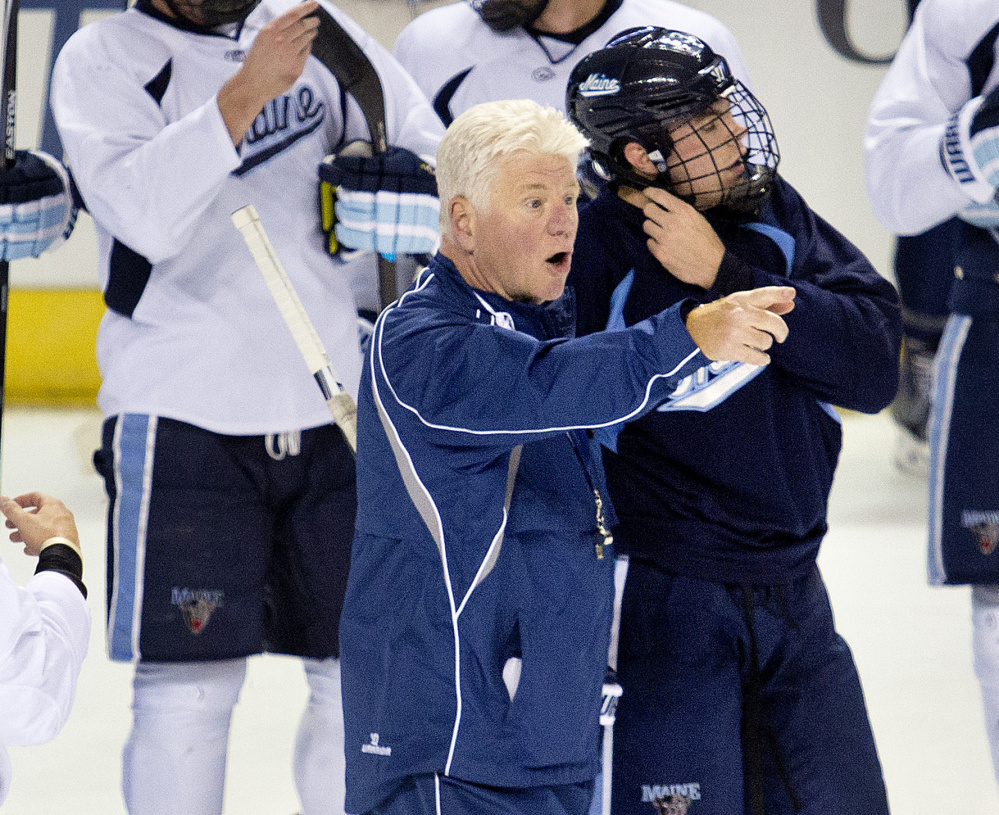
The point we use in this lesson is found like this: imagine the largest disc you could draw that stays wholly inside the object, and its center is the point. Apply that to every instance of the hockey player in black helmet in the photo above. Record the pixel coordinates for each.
(706, 137)
(738, 694)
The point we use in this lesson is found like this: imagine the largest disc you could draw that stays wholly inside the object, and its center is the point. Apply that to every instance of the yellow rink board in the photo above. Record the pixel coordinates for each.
(50, 346)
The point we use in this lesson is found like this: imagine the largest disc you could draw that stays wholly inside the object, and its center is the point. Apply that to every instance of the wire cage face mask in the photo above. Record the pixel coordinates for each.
(725, 157)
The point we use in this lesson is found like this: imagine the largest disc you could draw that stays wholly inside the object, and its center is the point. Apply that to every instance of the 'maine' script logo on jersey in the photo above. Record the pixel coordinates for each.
(599, 85)
(710, 385)
(302, 110)
(281, 123)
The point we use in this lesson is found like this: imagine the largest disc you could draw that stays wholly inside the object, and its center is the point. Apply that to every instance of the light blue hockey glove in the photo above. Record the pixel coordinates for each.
(37, 212)
(385, 203)
(984, 216)
(970, 147)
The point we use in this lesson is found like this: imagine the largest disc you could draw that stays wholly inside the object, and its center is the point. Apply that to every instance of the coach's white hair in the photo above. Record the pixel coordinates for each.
(480, 139)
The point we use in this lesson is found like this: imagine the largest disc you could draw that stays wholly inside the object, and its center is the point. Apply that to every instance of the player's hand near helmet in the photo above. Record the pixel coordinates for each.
(271, 67)
(385, 203)
(742, 326)
(681, 238)
(970, 147)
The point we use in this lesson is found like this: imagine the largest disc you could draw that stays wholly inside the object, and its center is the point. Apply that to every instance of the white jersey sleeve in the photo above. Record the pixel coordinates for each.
(121, 151)
(44, 632)
(930, 79)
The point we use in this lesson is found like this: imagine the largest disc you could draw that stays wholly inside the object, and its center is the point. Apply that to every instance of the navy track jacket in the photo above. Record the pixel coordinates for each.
(445, 585)
(739, 494)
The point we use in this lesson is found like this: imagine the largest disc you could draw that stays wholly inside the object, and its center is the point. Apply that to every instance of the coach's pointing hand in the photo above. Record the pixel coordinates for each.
(742, 326)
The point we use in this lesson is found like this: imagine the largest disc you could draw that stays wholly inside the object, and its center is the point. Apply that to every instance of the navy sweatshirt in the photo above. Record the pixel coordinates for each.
(729, 480)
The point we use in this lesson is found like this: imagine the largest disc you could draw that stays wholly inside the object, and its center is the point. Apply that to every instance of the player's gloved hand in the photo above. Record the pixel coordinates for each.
(385, 203)
(984, 216)
(37, 212)
(970, 146)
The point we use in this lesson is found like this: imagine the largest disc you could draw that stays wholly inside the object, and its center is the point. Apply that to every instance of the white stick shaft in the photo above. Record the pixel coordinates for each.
(608, 769)
(341, 405)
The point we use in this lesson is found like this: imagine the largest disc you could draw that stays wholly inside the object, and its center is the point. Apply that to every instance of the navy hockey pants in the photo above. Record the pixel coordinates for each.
(433, 794)
(694, 658)
(221, 546)
(964, 449)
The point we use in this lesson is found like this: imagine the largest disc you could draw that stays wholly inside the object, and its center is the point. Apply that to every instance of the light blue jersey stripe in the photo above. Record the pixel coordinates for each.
(944, 378)
(134, 441)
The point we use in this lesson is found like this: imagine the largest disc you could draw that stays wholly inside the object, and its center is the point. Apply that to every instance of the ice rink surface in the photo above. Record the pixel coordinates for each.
(911, 642)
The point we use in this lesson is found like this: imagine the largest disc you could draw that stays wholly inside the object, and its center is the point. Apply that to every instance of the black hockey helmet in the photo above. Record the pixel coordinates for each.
(648, 82)
(506, 15)
(207, 15)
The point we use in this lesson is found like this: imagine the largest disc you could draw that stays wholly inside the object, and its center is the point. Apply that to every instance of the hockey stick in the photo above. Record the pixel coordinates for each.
(608, 712)
(8, 95)
(345, 59)
(340, 403)
(612, 689)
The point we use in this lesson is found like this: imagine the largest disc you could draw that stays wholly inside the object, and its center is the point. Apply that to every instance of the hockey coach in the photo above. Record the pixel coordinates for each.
(476, 623)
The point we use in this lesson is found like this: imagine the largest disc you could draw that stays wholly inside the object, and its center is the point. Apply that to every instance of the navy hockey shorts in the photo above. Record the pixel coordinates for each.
(433, 794)
(924, 271)
(684, 739)
(224, 546)
(964, 450)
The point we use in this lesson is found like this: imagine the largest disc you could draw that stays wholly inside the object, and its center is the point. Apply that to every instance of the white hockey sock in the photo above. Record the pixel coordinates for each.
(985, 645)
(319, 761)
(175, 756)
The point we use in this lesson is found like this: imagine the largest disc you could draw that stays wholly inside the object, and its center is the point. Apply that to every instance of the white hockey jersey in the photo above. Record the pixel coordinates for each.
(44, 633)
(947, 57)
(193, 333)
(459, 61)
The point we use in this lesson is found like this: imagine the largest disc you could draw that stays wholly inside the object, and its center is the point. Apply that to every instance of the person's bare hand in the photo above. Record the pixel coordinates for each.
(681, 239)
(271, 67)
(743, 326)
(35, 517)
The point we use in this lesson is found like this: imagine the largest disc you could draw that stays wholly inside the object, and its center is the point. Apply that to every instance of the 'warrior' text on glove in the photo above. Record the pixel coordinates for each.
(970, 146)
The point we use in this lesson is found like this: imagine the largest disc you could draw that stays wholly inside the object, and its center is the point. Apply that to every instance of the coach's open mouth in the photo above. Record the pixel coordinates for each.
(560, 260)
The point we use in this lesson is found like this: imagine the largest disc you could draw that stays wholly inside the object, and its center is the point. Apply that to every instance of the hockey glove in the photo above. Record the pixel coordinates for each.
(37, 212)
(385, 203)
(984, 216)
(970, 147)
